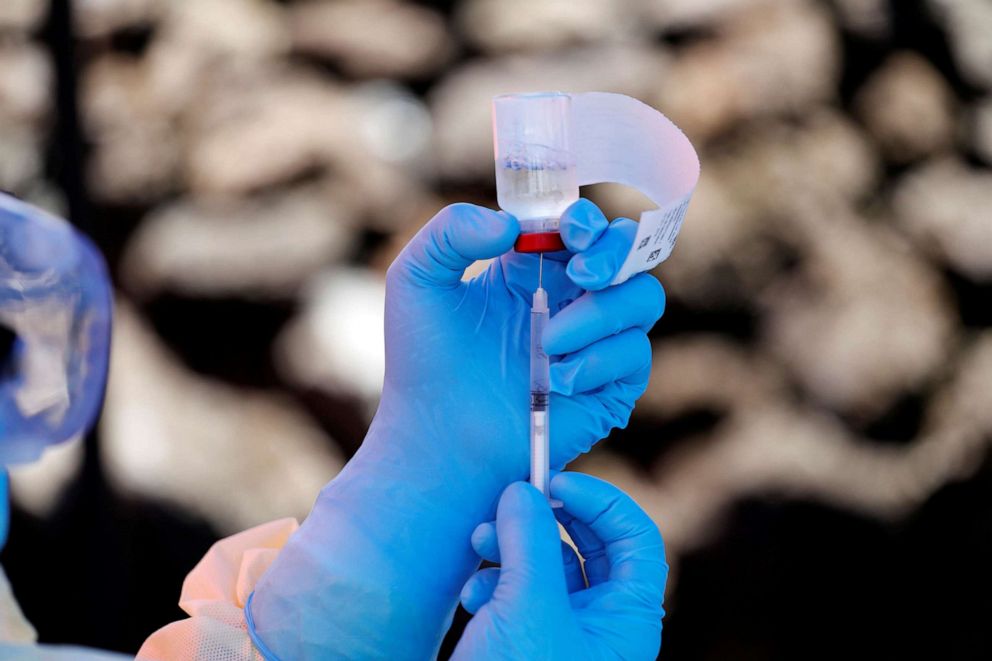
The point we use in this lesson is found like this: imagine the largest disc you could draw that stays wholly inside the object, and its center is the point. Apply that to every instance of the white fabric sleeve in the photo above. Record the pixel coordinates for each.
(17, 636)
(214, 596)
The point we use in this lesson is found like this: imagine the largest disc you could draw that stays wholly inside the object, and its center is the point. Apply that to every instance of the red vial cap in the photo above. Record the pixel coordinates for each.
(539, 242)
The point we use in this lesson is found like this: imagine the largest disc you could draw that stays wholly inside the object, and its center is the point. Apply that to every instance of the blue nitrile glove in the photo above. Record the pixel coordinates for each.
(376, 569)
(536, 604)
(56, 307)
(4, 508)
(55, 296)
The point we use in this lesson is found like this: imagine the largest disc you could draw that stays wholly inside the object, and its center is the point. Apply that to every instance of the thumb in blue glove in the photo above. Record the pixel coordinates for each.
(539, 605)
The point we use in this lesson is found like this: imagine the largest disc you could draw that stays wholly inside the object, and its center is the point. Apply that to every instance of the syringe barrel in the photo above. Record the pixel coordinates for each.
(536, 177)
(540, 378)
(540, 367)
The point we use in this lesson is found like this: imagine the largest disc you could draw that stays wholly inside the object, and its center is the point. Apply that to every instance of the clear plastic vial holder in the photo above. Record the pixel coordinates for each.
(536, 179)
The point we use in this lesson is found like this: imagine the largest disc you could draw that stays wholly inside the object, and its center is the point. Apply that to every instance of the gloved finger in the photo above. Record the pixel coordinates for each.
(581, 225)
(479, 589)
(485, 541)
(529, 547)
(602, 362)
(595, 267)
(632, 542)
(637, 303)
(575, 579)
(591, 548)
(451, 241)
(579, 421)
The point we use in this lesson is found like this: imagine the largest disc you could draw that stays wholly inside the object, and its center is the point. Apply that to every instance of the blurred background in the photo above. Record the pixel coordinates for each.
(815, 440)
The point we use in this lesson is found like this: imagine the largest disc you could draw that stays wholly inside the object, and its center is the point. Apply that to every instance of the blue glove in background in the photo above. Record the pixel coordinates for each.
(376, 569)
(55, 296)
(536, 604)
(4, 508)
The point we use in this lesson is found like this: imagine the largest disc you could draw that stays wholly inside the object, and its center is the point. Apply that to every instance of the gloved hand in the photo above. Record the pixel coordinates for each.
(536, 604)
(376, 569)
(56, 309)
(55, 297)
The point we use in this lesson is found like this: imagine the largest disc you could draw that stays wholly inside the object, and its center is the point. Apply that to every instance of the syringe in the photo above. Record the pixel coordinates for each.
(536, 181)
(540, 376)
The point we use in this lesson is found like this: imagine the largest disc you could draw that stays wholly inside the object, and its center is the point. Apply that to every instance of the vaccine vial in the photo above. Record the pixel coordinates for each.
(536, 178)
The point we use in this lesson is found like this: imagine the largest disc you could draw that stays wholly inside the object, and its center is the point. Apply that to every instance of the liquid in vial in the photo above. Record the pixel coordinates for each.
(536, 194)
